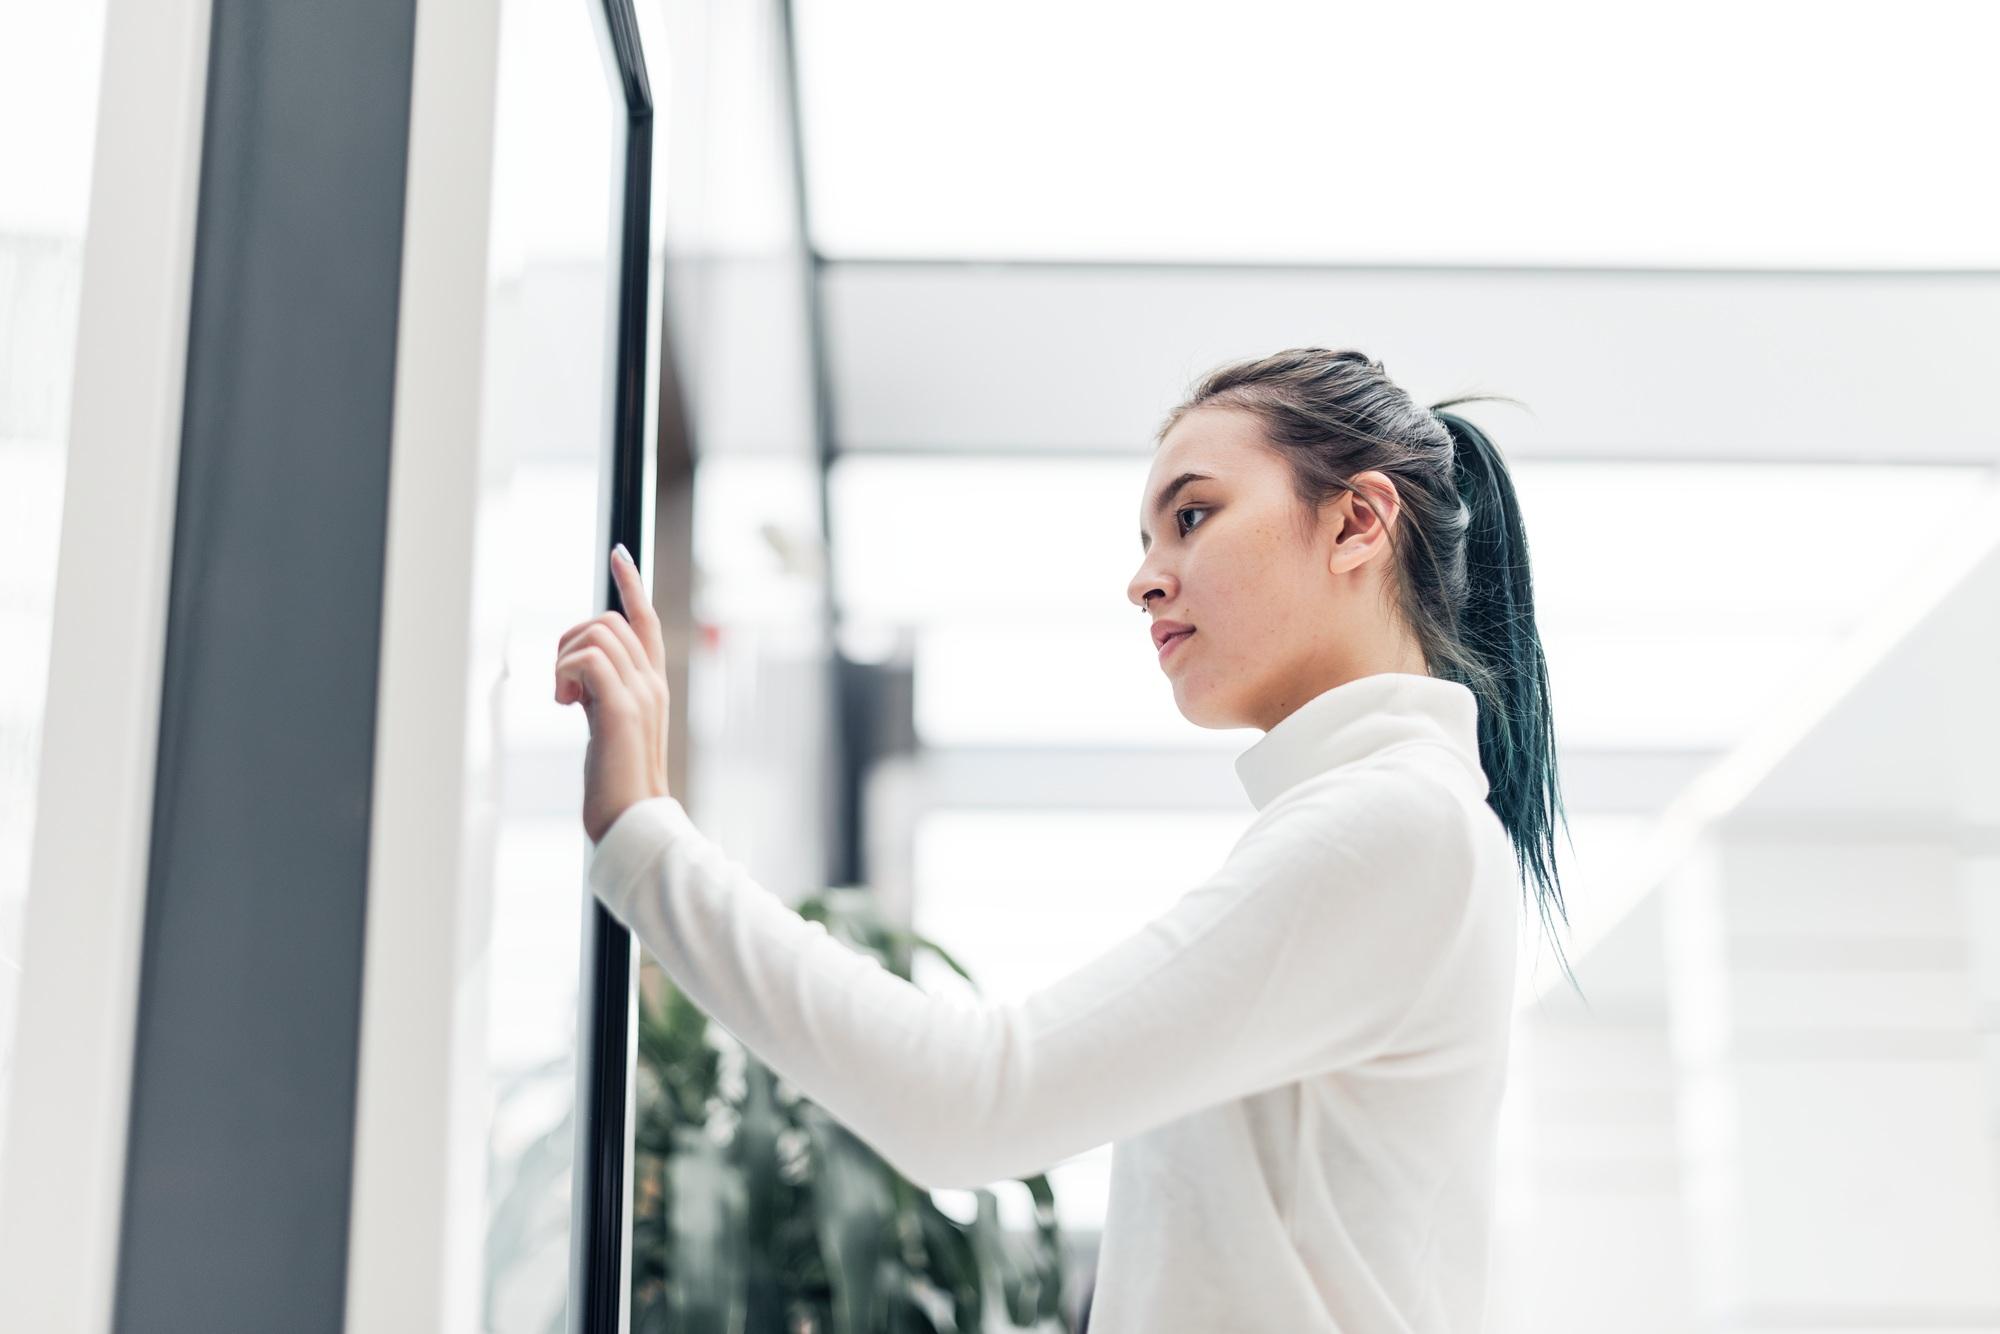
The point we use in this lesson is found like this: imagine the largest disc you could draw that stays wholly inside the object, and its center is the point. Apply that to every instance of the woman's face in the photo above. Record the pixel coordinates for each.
(1278, 618)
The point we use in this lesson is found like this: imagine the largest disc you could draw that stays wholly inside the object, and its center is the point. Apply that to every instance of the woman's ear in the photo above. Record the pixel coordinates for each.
(1382, 497)
(1361, 523)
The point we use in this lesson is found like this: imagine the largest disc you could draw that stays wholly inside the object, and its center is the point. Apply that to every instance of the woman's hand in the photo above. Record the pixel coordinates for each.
(617, 670)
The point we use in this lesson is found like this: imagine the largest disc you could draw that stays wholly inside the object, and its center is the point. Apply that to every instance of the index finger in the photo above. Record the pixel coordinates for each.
(637, 605)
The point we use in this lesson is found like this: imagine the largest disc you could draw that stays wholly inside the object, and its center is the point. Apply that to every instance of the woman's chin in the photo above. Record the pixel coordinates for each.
(1195, 704)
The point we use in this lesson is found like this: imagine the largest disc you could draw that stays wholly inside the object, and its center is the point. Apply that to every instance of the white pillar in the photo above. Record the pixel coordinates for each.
(1838, 1162)
(1591, 1236)
(1979, 878)
(83, 924)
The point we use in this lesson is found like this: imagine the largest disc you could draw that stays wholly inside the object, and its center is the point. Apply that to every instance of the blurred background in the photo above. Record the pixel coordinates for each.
(931, 274)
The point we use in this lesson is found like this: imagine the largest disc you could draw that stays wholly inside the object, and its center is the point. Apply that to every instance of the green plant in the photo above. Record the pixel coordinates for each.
(755, 1212)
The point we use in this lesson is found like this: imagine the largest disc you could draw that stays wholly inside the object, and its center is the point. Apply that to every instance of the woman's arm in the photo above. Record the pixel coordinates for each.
(1302, 953)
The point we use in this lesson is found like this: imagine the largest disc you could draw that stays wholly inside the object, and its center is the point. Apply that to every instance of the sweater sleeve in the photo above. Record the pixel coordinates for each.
(1303, 952)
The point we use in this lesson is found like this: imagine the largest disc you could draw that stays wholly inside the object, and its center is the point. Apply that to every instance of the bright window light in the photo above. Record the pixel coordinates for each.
(1794, 134)
(1023, 897)
(1673, 599)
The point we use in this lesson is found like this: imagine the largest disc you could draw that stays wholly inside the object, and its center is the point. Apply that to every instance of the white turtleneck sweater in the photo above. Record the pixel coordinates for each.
(1298, 1065)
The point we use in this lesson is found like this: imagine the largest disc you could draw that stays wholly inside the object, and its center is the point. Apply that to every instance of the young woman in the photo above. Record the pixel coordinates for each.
(1299, 1065)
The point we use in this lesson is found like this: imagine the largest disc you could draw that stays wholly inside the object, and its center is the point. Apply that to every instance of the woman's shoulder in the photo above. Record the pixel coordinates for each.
(1376, 823)
(1425, 847)
(1394, 792)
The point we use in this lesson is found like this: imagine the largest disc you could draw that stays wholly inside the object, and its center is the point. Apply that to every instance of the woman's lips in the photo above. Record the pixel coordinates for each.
(1174, 643)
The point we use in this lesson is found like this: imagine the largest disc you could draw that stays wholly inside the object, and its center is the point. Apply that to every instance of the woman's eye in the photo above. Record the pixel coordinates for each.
(1190, 509)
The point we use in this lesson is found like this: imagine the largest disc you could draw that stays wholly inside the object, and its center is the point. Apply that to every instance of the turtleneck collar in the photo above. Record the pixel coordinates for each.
(1356, 719)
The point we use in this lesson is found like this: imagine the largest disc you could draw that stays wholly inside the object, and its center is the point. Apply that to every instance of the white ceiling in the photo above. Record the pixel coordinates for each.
(1656, 366)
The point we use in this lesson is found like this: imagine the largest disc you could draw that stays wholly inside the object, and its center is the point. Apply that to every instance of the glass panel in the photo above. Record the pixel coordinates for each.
(545, 420)
(50, 61)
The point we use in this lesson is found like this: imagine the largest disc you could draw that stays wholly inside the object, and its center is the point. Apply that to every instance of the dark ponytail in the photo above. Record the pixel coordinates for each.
(1463, 588)
(1496, 625)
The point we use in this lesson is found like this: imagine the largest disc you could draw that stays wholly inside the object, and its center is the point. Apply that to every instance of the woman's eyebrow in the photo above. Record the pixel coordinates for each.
(1166, 498)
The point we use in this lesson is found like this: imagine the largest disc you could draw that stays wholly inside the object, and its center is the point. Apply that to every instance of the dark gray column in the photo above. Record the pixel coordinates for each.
(243, 1090)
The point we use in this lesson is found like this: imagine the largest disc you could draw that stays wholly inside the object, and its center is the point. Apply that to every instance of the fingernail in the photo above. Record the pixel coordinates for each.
(622, 553)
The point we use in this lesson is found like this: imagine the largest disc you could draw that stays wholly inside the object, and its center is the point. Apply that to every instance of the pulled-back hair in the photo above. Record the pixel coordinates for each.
(1462, 581)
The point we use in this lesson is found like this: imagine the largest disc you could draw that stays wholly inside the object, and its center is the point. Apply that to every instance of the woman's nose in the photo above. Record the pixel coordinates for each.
(1144, 583)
